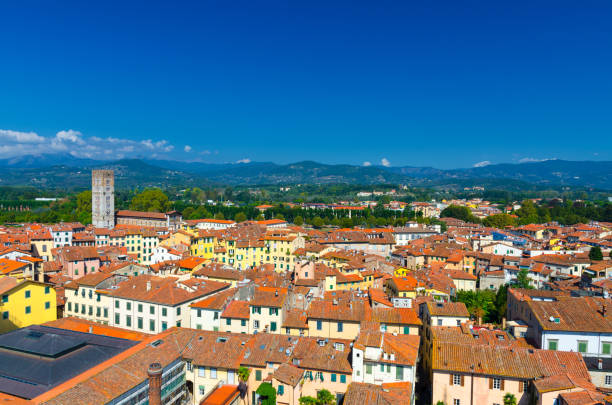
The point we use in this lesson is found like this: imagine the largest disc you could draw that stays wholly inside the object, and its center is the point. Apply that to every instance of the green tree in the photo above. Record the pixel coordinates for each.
(84, 201)
(151, 200)
(219, 215)
(317, 222)
(308, 400)
(595, 253)
(458, 212)
(509, 399)
(324, 397)
(240, 217)
(299, 221)
(440, 403)
(267, 394)
(244, 373)
(528, 213)
(499, 221)
(279, 216)
(522, 279)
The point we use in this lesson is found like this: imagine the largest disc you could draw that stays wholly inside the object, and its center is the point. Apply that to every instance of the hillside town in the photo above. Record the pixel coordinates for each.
(150, 308)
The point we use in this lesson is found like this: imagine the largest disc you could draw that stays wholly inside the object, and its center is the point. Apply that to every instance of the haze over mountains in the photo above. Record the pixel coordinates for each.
(65, 171)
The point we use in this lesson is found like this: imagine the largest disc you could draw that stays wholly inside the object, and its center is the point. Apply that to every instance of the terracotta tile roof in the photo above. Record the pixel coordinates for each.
(236, 310)
(333, 355)
(265, 348)
(8, 266)
(354, 311)
(216, 349)
(219, 270)
(400, 316)
(288, 374)
(223, 395)
(269, 297)
(89, 280)
(163, 290)
(371, 394)
(508, 362)
(85, 326)
(217, 301)
(191, 262)
(295, 318)
(448, 309)
(7, 284)
(584, 314)
(141, 214)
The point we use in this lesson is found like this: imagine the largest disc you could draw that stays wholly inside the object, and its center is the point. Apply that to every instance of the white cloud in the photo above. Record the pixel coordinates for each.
(246, 160)
(366, 163)
(532, 160)
(385, 162)
(482, 164)
(17, 143)
(187, 148)
(21, 137)
(70, 136)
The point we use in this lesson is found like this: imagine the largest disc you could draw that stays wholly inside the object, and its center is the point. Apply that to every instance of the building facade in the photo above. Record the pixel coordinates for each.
(103, 198)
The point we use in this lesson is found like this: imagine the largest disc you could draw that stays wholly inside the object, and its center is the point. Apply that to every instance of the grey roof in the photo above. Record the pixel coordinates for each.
(37, 358)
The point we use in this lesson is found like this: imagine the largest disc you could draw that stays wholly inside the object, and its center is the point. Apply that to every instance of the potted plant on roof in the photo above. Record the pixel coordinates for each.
(243, 377)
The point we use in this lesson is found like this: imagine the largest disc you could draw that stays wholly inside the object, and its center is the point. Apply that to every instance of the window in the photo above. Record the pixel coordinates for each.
(496, 383)
(608, 379)
(216, 315)
(228, 321)
(406, 330)
(605, 348)
(201, 371)
(106, 312)
(281, 390)
(202, 389)
(456, 402)
(178, 311)
(456, 379)
(128, 306)
(152, 310)
(582, 347)
(69, 306)
(272, 326)
(5, 315)
(128, 321)
(139, 323)
(439, 322)
(257, 375)
(319, 325)
(552, 344)
(139, 307)
(368, 369)
(213, 373)
(28, 294)
(340, 326)
(243, 322)
(117, 304)
(5, 298)
(343, 378)
(47, 289)
(189, 366)
(399, 372)
(152, 325)
(117, 319)
(333, 377)
(255, 324)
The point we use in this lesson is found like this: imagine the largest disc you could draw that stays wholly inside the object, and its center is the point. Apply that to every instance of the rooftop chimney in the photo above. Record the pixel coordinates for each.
(599, 364)
(148, 286)
(155, 382)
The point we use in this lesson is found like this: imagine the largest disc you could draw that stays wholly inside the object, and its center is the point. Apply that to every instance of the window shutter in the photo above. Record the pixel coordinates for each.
(520, 386)
(462, 380)
(502, 384)
(450, 380)
(490, 383)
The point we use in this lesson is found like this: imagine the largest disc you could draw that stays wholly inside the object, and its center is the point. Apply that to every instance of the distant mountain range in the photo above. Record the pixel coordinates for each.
(65, 171)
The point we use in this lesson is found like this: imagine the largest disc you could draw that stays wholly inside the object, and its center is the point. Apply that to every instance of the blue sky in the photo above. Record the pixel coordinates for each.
(444, 84)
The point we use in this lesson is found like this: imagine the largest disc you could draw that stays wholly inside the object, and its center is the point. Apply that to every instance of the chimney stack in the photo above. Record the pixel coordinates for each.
(148, 285)
(155, 382)
(599, 364)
